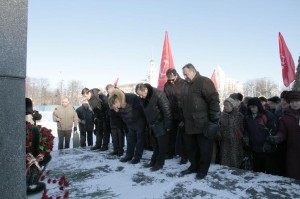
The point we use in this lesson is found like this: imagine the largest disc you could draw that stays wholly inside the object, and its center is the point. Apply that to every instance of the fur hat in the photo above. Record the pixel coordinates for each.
(255, 101)
(292, 96)
(274, 99)
(231, 101)
(236, 96)
(283, 94)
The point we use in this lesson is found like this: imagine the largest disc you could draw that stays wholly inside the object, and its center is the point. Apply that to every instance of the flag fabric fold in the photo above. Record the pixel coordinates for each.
(287, 62)
(214, 79)
(166, 63)
(116, 83)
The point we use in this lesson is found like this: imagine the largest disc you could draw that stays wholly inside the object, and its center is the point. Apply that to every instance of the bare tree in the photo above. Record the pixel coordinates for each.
(74, 92)
(261, 87)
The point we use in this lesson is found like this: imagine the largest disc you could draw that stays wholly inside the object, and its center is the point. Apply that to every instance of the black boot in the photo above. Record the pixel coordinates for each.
(93, 148)
(126, 159)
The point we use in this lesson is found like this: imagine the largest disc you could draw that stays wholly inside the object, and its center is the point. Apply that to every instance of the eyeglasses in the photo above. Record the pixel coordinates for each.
(171, 80)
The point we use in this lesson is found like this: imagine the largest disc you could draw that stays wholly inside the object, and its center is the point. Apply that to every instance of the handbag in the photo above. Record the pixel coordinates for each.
(76, 141)
(247, 162)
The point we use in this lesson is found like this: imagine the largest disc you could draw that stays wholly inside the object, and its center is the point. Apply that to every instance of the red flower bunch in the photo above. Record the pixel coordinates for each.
(62, 183)
(46, 139)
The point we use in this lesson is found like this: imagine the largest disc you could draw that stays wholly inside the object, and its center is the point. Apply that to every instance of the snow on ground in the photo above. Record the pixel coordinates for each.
(95, 174)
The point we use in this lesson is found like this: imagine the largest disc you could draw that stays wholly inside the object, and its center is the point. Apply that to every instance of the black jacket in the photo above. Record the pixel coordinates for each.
(157, 110)
(132, 114)
(99, 105)
(86, 115)
(200, 105)
(173, 93)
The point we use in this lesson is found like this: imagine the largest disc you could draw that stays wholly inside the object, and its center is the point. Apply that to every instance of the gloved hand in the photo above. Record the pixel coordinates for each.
(82, 121)
(246, 144)
(181, 124)
(75, 128)
(274, 139)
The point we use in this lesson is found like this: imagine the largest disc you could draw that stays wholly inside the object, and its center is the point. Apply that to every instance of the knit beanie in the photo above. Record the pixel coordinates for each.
(231, 101)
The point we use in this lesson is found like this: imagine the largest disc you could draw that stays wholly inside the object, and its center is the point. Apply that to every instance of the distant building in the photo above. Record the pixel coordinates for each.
(151, 78)
(152, 74)
(226, 86)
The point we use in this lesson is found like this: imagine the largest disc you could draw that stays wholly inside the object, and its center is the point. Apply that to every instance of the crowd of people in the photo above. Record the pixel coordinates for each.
(185, 119)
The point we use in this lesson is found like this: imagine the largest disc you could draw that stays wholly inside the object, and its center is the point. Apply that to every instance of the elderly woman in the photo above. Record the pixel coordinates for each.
(289, 130)
(231, 132)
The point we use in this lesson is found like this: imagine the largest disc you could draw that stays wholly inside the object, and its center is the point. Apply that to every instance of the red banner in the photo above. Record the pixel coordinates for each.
(287, 63)
(214, 79)
(166, 63)
(116, 83)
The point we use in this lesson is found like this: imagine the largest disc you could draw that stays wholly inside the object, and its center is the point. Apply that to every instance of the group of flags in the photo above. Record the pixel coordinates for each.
(287, 64)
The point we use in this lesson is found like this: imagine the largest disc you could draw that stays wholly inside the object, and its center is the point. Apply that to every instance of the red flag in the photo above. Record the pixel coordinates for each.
(214, 79)
(165, 64)
(287, 63)
(116, 83)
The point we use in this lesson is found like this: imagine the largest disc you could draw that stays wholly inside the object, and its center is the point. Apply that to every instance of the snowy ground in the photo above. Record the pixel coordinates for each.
(98, 175)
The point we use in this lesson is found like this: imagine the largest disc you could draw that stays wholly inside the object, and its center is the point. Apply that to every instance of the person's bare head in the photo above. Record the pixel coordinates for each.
(65, 102)
(86, 93)
(189, 72)
(109, 88)
(141, 90)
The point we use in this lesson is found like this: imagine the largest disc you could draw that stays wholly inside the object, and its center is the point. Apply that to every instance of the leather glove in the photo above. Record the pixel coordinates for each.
(75, 128)
(246, 144)
(181, 124)
(274, 139)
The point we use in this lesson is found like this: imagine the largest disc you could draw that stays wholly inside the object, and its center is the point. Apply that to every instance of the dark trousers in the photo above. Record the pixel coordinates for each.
(265, 162)
(171, 140)
(159, 149)
(64, 136)
(135, 142)
(102, 133)
(86, 135)
(180, 148)
(199, 150)
(117, 136)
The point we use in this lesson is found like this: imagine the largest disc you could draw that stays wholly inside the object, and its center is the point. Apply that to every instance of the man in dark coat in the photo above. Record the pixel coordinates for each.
(117, 126)
(158, 114)
(128, 107)
(99, 105)
(86, 123)
(173, 89)
(201, 112)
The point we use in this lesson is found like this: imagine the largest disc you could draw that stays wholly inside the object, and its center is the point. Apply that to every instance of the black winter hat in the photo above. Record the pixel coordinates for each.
(274, 99)
(236, 96)
(255, 102)
(292, 96)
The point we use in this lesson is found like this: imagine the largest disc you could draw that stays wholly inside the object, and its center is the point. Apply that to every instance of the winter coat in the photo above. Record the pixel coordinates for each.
(157, 110)
(115, 120)
(86, 118)
(65, 117)
(258, 128)
(231, 146)
(131, 110)
(200, 105)
(289, 130)
(173, 93)
(99, 105)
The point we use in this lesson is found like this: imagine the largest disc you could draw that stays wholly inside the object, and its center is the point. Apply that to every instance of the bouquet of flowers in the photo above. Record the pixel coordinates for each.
(39, 144)
(46, 139)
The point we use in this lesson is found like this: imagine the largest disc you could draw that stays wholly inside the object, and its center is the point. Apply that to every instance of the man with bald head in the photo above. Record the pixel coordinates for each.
(65, 116)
